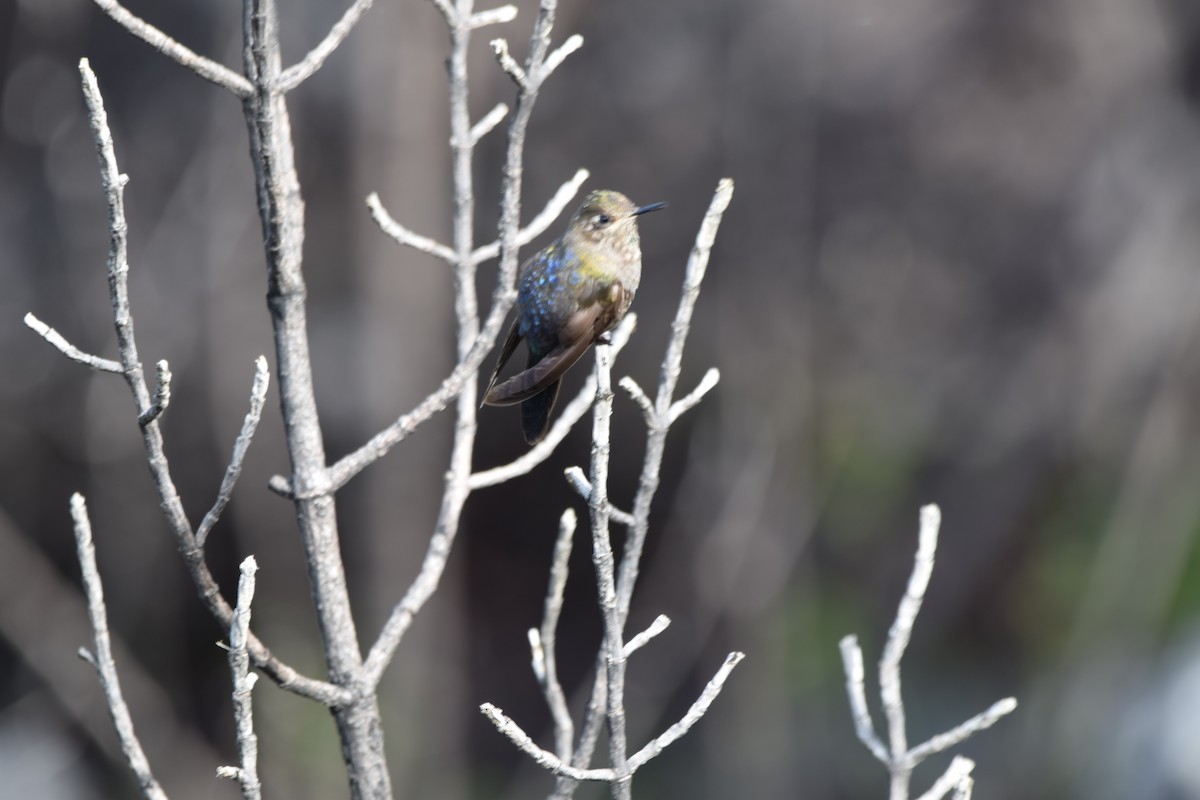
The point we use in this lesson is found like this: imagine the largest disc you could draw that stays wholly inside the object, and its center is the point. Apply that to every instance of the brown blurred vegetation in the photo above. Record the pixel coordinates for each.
(961, 267)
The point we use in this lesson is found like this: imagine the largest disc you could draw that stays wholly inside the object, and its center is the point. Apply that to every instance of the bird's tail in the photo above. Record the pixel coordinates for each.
(535, 413)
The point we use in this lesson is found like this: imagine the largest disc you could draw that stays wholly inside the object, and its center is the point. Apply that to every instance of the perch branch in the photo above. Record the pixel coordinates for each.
(658, 424)
(613, 646)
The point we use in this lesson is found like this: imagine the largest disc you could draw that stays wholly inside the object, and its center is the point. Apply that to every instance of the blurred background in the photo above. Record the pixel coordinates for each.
(960, 267)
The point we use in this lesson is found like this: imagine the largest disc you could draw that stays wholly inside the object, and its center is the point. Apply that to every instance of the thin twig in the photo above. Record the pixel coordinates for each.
(852, 662)
(509, 64)
(102, 660)
(897, 641)
(957, 777)
(660, 624)
(71, 351)
(403, 235)
(258, 396)
(493, 16)
(545, 661)
(544, 758)
(693, 715)
(944, 741)
(113, 183)
(542, 222)
(243, 686)
(688, 401)
(639, 396)
(487, 123)
(162, 394)
(583, 486)
(556, 58)
(296, 74)
(204, 67)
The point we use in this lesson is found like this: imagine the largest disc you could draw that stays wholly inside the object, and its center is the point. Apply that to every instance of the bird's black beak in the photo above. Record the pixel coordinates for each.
(649, 208)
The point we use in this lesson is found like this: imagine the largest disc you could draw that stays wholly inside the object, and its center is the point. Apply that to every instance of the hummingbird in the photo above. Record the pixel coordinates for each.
(569, 295)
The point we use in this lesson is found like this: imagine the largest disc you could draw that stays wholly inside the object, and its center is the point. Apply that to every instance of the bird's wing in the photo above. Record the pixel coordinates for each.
(577, 334)
(510, 344)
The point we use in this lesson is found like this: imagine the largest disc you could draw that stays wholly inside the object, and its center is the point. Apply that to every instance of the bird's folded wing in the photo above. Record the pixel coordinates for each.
(578, 334)
(510, 344)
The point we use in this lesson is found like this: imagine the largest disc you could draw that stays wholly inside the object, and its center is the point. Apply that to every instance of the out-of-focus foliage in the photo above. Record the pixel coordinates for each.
(961, 267)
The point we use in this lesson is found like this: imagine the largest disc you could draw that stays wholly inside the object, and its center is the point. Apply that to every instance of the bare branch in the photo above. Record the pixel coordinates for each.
(668, 378)
(493, 16)
(204, 67)
(944, 741)
(544, 758)
(113, 183)
(71, 351)
(539, 224)
(525, 463)
(448, 11)
(102, 660)
(613, 646)
(489, 121)
(900, 760)
(901, 631)
(258, 395)
(243, 685)
(660, 624)
(683, 404)
(509, 64)
(545, 661)
(403, 235)
(583, 486)
(296, 74)
(693, 715)
(639, 396)
(162, 395)
(573, 43)
(566, 420)
(852, 662)
(957, 778)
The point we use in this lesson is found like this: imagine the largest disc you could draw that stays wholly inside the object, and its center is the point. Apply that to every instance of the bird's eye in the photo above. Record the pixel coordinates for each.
(603, 219)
